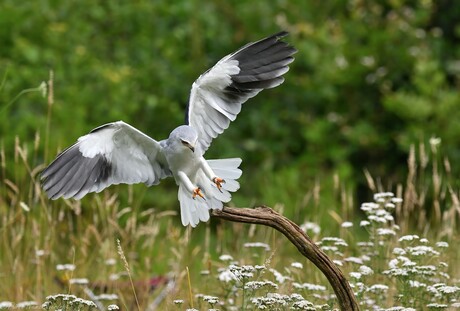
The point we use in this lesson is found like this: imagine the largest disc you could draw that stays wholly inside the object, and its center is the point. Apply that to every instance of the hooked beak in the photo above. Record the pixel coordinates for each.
(188, 145)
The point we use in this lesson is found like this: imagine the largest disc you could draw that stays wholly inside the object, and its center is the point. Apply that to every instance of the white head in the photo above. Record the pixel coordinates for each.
(185, 136)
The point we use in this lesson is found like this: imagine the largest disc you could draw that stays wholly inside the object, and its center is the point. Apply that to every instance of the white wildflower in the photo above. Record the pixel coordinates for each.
(39, 252)
(257, 245)
(296, 297)
(369, 207)
(443, 264)
(399, 251)
(270, 301)
(365, 244)
(396, 200)
(416, 284)
(347, 224)
(178, 301)
(364, 223)
(377, 219)
(64, 297)
(114, 276)
(212, 300)
(442, 244)
(358, 287)
(254, 285)
(383, 195)
(225, 257)
(424, 270)
(389, 217)
(6, 305)
(81, 281)
(355, 275)
(424, 241)
(444, 275)
(84, 302)
(279, 297)
(396, 272)
(385, 232)
(421, 250)
(434, 141)
(227, 276)
(341, 61)
(329, 248)
(297, 265)
(365, 270)
(308, 286)
(390, 205)
(26, 304)
(338, 262)
(243, 272)
(311, 226)
(113, 307)
(279, 277)
(333, 240)
(303, 305)
(43, 88)
(110, 261)
(409, 264)
(448, 289)
(408, 238)
(106, 297)
(66, 267)
(356, 260)
(368, 61)
(378, 288)
(437, 306)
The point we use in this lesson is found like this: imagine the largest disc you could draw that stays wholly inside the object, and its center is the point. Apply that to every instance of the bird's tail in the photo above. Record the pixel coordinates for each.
(194, 210)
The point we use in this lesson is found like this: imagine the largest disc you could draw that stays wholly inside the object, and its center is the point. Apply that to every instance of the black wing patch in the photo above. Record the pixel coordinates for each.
(73, 175)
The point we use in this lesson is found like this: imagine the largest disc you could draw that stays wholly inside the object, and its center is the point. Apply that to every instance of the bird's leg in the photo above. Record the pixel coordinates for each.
(218, 181)
(196, 191)
(211, 175)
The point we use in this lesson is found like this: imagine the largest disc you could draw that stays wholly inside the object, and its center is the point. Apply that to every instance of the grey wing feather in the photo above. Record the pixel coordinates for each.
(110, 154)
(217, 95)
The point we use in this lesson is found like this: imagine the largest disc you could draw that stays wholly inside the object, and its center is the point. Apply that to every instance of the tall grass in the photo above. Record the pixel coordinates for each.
(55, 251)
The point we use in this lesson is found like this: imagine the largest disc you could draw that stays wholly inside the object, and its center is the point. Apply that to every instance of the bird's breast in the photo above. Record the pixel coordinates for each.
(185, 161)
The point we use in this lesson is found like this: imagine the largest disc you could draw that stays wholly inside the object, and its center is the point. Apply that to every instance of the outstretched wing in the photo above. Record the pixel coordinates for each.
(110, 154)
(217, 95)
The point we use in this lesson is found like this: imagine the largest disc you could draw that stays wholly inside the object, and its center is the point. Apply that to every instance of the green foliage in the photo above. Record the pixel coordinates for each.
(370, 78)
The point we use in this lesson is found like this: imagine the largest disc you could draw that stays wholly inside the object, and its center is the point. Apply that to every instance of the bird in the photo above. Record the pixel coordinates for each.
(118, 153)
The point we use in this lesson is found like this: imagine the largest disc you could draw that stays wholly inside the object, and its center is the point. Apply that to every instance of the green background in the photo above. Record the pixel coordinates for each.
(371, 78)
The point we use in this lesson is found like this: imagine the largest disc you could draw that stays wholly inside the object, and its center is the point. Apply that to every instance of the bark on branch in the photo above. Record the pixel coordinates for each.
(266, 216)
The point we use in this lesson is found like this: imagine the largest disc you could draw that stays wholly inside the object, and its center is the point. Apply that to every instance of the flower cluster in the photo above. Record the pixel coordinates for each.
(410, 259)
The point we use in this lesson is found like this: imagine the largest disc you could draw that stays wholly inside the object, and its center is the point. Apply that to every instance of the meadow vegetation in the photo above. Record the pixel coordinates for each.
(359, 146)
(117, 254)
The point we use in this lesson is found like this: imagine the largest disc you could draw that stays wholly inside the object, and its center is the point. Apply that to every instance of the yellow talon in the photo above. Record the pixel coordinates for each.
(197, 192)
(218, 181)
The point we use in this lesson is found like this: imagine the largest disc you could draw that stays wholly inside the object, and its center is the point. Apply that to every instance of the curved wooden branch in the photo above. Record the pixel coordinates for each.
(266, 216)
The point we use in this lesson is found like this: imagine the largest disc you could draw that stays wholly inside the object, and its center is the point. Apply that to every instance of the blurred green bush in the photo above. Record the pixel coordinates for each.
(370, 78)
